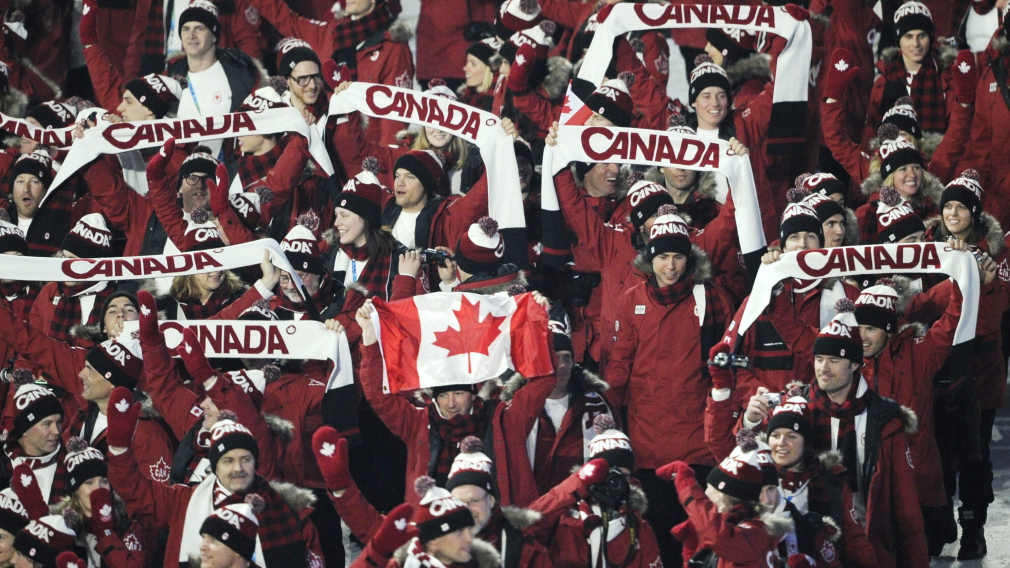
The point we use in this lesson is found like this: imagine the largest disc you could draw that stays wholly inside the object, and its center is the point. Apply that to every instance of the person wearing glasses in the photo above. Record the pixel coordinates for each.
(300, 66)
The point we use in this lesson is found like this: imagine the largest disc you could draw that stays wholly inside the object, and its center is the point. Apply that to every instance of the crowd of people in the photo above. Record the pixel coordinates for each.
(707, 407)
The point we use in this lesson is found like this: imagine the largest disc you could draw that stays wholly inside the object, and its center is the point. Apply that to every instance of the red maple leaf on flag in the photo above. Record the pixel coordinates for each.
(473, 336)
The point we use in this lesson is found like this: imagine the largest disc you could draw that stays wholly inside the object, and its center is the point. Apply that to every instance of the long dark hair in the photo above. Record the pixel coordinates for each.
(379, 240)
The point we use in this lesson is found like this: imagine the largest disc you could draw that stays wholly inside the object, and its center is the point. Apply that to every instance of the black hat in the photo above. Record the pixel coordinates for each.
(38, 164)
(156, 92)
(967, 190)
(204, 12)
(82, 463)
(199, 162)
(913, 16)
(34, 403)
(227, 435)
(707, 74)
(292, 51)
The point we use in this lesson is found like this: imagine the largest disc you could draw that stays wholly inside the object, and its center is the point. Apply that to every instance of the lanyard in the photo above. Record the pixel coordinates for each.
(192, 93)
(354, 270)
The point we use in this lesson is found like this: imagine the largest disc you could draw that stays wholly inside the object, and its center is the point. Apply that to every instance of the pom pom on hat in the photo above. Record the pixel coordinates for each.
(801, 178)
(488, 225)
(271, 373)
(370, 164)
(676, 119)
(256, 503)
(182, 80)
(471, 445)
(844, 305)
(227, 415)
(970, 173)
(603, 422)
(200, 215)
(635, 177)
(703, 58)
(637, 45)
(279, 84)
(548, 27)
(885, 282)
(794, 390)
(904, 101)
(4, 216)
(423, 484)
(71, 517)
(746, 440)
(890, 196)
(516, 289)
(22, 377)
(77, 444)
(529, 6)
(888, 131)
(436, 82)
(667, 210)
(265, 194)
(309, 220)
(628, 77)
(796, 195)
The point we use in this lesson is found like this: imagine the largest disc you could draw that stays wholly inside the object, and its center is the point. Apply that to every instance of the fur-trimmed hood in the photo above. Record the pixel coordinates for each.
(485, 555)
(993, 231)
(706, 184)
(776, 525)
(582, 380)
(909, 421)
(400, 32)
(830, 459)
(945, 55)
(702, 267)
(519, 517)
(755, 66)
(14, 103)
(1000, 44)
(851, 228)
(495, 283)
(931, 187)
(927, 144)
(903, 287)
(283, 429)
(298, 498)
(559, 72)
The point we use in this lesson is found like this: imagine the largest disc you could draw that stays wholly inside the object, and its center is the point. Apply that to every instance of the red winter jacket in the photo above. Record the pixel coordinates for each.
(561, 530)
(990, 131)
(298, 399)
(124, 208)
(779, 343)
(904, 372)
(513, 420)
(441, 47)
(387, 61)
(664, 383)
(875, 112)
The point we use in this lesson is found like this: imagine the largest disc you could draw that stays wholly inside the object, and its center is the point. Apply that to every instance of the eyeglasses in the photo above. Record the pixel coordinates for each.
(303, 81)
(194, 179)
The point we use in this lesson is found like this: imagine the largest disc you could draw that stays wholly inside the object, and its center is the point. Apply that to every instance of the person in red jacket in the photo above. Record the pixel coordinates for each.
(727, 516)
(33, 439)
(915, 69)
(104, 529)
(531, 88)
(506, 528)
(871, 432)
(594, 517)
(231, 534)
(302, 72)
(13, 518)
(676, 295)
(964, 220)
(774, 343)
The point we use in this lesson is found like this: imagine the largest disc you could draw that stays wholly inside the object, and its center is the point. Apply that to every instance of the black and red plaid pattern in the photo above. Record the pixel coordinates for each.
(279, 524)
(818, 497)
(349, 32)
(67, 312)
(926, 92)
(153, 41)
(375, 277)
(452, 433)
(252, 169)
(19, 297)
(13, 451)
(218, 300)
(824, 410)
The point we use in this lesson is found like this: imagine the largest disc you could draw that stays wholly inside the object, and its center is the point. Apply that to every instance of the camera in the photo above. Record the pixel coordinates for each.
(726, 360)
(774, 399)
(613, 492)
(434, 257)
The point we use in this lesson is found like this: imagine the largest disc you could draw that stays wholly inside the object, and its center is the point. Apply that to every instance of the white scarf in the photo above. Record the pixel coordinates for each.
(668, 150)
(242, 339)
(787, 126)
(201, 506)
(125, 136)
(868, 259)
(53, 137)
(418, 558)
(505, 201)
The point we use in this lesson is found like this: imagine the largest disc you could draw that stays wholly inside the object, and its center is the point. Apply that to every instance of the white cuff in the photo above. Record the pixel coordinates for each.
(720, 395)
(262, 289)
(448, 287)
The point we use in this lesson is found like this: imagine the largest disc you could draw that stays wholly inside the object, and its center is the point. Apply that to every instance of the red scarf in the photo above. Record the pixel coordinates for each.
(824, 410)
(67, 311)
(252, 169)
(452, 432)
(926, 92)
(279, 524)
(670, 295)
(13, 451)
(983, 7)
(321, 299)
(217, 301)
(375, 276)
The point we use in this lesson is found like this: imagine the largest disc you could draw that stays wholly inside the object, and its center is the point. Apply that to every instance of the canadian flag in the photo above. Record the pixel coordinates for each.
(574, 112)
(458, 338)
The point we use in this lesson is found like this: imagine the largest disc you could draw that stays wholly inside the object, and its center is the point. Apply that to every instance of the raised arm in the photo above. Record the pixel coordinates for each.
(161, 195)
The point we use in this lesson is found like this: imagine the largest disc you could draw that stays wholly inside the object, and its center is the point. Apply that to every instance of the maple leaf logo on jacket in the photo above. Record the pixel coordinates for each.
(841, 65)
(475, 335)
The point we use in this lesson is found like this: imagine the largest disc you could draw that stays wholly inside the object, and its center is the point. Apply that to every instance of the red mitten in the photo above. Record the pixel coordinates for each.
(395, 531)
(87, 27)
(68, 559)
(192, 356)
(156, 167)
(333, 75)
(148, 318)
(520, 71)
(798, 12)
(331, 455)
(101, 512)
(840, 73)
(26, 487)
(721, 378)
(965, 76)
(800, 560)
(218, 188)
(678, 472)
(122, 417)
(593, 472)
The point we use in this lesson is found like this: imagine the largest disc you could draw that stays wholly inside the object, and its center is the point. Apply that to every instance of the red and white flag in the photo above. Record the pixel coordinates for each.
(574, 112)
(457, 338)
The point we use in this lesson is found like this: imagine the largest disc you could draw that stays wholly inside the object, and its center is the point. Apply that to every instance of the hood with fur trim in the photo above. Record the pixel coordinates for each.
(909, 421)
(582, 380)
(903, 286)
(927, 144)
(705, 184)
(622, 180)
(931, 187)
(776, 525)
(993, 233)
(400, 32)
(702, 267)
(754, 67)
(489, 284)
(559, 72)
(945, 55)
(851, 228)
(519, 517)
(484, 555)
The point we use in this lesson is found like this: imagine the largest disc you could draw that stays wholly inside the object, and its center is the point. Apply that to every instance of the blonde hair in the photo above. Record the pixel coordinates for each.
(185, 288)
(487, 81)
(457, 147)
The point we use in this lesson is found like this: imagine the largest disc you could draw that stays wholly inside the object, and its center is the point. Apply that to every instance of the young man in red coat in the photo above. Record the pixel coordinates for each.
(872, 433)
(33, 439)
